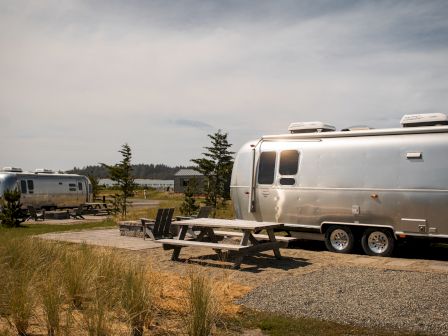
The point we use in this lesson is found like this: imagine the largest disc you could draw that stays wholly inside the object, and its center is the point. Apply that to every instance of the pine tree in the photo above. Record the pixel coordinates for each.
(11, 214)
(189, 206)
(95, 182)
(122, 174)
(216, 166)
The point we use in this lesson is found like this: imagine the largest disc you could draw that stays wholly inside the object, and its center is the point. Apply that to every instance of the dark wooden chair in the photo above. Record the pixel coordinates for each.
(160, 227)
(34, 214)
(78, 212)
(203, 212)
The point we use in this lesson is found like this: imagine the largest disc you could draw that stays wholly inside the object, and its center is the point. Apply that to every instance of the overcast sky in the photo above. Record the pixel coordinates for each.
(80, 78)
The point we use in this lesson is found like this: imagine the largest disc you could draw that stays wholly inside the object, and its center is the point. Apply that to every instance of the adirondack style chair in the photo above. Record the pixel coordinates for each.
(160, 227)
(78, 212)
(204, 212)
(34, 214)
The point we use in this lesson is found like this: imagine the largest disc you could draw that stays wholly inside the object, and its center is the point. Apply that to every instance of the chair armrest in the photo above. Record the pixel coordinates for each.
(147, 220)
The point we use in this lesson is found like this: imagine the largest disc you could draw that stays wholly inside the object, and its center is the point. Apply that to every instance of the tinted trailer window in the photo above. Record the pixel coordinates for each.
(266, 168)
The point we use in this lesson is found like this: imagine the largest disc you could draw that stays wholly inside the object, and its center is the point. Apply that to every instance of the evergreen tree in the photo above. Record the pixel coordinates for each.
(216, 166)
(189, 206)
(11, 214)
(95, 182)
(122, 174)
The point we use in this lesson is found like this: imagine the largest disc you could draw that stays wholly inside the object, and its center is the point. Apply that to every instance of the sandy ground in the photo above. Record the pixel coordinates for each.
(303, 257)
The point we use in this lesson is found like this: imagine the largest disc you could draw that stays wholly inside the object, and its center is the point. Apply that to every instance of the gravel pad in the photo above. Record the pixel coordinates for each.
(361, 296)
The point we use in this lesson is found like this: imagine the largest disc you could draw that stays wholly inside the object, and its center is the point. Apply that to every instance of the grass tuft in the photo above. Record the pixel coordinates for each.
(202, 305)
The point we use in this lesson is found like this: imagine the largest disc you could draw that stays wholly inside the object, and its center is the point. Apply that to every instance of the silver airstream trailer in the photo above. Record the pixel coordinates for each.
(370, 185)
(46, 189)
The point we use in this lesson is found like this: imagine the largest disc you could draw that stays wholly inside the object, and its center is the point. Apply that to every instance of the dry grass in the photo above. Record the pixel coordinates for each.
(62, 289)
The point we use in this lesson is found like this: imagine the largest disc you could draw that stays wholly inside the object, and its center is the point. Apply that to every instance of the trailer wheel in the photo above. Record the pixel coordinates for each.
(378, 242)
(339, 239)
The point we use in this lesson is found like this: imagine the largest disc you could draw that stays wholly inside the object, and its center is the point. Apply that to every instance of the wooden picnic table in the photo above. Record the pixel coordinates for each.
(207, 237)
(96, 205)
(96, 208)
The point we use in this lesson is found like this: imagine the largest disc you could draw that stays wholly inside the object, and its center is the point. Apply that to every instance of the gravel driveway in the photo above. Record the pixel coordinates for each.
(364, 296)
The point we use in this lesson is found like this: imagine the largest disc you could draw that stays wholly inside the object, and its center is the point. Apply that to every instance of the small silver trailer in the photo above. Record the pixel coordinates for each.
(360, 184)
(45, 189)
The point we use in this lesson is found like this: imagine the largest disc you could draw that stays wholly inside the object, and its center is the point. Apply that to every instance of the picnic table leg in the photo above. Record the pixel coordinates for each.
(182, 234)
(241, 255)
(272, 239)
(214, 239)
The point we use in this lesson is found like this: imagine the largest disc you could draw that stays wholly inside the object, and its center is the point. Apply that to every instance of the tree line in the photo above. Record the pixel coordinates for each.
(146, 171)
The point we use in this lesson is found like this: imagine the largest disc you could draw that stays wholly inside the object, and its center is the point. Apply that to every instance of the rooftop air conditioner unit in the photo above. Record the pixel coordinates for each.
(12, 169)
(426, 119)
(310, 127)
(43, 171)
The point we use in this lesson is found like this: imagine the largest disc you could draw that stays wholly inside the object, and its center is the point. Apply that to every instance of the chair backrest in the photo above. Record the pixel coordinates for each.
(79, 210)
(32, 211)
(162, 223)
(204, 212)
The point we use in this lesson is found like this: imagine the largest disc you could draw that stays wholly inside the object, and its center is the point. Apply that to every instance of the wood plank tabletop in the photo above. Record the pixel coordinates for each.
(227, 223)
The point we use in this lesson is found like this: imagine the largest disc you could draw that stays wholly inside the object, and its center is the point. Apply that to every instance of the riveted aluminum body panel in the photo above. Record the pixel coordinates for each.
(49, 190)
(363, 178)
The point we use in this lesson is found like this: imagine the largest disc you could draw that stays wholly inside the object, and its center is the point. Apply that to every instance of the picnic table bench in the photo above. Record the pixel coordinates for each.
(207, 237)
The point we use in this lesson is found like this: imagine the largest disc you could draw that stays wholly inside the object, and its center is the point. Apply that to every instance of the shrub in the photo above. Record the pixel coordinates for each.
(189, 206)
(11, 214)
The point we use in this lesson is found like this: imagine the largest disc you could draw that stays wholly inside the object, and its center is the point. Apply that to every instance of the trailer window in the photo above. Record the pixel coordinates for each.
(79, 185)
(72, 186)
(30, 186)
(266, 168)
(23, 187)
(287, 181)
(289, 162)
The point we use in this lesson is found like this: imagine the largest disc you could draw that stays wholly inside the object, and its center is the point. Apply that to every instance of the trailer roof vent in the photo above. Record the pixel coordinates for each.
(12, 169)
(43, 171)
(356, 128)
(426, 119)
(310, 127)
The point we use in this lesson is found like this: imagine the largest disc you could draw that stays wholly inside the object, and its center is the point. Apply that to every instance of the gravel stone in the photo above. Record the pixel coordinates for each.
(370, 297)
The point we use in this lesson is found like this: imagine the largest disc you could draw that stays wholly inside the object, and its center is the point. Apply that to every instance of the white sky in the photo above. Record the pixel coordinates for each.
(80, 78)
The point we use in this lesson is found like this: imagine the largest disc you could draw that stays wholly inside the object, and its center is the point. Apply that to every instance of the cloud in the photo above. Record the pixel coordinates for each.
(83, 77)
(192, 123)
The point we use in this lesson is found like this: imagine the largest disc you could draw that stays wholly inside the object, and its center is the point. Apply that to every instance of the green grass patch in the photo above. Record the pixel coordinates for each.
(34, 229)
(281, 325)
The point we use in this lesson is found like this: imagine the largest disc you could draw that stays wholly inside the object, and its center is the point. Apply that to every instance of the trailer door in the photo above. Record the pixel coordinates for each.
(266, 203)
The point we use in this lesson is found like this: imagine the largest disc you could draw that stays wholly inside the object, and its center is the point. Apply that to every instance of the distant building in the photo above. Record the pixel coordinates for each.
(183, 177)
(145, 183)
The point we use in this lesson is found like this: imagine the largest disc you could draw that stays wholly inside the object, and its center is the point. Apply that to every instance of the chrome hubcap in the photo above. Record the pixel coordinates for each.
(339, 239)
(378, 242)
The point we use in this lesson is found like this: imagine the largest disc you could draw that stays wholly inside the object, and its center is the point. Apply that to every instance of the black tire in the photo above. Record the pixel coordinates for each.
(339, 239)
(378, 242)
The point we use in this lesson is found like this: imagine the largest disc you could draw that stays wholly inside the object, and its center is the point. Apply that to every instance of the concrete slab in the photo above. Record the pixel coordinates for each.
(87, 219)
(400, 263)
(439, 266)
(103, 237)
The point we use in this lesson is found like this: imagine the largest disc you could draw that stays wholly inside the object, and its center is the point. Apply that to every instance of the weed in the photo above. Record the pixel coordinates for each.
(77, 274)
(202, 305)
(139, 286)
(52, 297)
